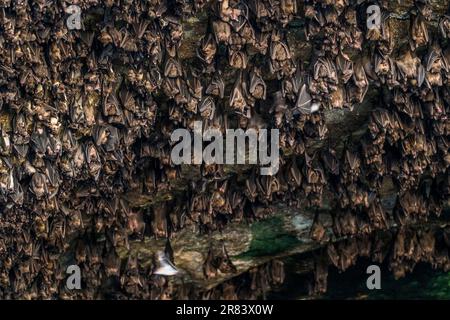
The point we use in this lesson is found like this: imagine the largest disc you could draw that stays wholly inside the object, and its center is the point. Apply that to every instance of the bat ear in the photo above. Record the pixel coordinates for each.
(420, 75)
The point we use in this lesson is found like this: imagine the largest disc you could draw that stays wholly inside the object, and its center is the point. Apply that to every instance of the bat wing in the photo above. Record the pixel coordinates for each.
(304, 101)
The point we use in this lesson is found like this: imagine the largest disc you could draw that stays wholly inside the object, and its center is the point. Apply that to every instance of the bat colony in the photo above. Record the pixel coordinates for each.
(86, 118)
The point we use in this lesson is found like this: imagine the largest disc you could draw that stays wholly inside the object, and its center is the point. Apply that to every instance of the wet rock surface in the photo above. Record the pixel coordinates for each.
(85, 122)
